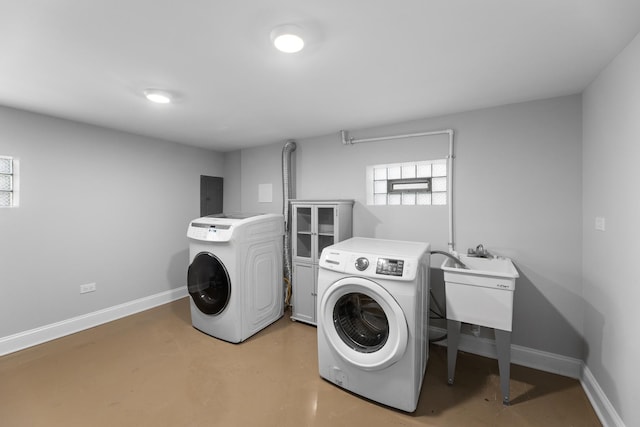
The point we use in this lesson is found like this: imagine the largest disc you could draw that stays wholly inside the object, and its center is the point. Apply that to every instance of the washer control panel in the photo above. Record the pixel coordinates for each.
(390, 267)
(369, 265)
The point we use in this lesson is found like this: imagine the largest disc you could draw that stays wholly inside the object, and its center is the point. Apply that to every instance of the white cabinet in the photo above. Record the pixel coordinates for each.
(316, 224)
(303, 298)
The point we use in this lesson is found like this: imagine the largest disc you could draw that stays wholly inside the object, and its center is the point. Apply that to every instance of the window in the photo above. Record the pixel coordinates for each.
(414, 183)
(8, 193)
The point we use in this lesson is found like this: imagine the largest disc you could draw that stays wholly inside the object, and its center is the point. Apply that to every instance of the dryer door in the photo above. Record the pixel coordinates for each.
(208, 283)
(363, 323)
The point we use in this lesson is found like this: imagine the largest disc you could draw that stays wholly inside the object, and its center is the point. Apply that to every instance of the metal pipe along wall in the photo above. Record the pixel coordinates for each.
(288, 148)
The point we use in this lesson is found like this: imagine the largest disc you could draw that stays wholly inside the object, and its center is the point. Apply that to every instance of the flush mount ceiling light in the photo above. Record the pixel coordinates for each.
(287, 38)
(158, 96)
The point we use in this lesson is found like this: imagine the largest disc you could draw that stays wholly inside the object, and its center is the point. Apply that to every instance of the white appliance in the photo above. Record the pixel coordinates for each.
(235, 275)
(373, 318)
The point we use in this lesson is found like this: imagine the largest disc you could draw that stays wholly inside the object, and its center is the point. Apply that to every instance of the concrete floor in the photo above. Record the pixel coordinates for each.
(155, 369)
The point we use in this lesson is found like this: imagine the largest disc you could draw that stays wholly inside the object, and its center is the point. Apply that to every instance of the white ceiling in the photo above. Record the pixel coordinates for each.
(366, 63)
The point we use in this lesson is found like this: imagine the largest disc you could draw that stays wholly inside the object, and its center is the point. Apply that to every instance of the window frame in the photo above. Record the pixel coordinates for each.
(402, 185)
(13, 179)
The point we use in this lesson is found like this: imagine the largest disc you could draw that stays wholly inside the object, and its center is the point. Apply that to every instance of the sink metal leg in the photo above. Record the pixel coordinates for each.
(503, 345)
(453, 338)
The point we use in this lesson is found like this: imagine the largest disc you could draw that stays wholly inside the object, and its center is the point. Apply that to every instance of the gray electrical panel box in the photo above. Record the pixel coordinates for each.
(210, 195)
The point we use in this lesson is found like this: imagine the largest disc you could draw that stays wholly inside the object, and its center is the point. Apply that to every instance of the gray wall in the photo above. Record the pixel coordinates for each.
(261, 165)
(232, 182)
(611, 173)
(96, 205)
(517, 191)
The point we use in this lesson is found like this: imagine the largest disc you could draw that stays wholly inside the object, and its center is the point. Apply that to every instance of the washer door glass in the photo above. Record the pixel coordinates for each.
(208, 283)
(363, 323)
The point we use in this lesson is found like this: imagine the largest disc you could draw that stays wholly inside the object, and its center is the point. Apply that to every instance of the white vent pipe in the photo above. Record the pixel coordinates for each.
(346, 140)
(289, 147)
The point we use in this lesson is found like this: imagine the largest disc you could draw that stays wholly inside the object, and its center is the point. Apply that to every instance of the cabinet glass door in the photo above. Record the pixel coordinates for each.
(303, 232)
(326, 228)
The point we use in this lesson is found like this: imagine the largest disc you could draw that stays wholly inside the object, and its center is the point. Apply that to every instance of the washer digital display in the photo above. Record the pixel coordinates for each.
(390, 267)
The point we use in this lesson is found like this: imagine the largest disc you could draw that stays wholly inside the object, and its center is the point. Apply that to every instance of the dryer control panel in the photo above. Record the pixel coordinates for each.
(210, 232)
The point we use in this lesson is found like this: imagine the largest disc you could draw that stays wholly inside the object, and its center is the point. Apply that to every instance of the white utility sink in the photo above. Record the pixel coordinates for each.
(483, 293)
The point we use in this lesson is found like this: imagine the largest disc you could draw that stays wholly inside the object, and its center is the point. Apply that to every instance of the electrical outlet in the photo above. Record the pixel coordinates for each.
(88, 287)
(600, 224)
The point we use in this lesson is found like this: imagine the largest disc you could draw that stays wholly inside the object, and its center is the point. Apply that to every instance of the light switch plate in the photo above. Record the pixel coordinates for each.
(265, 193)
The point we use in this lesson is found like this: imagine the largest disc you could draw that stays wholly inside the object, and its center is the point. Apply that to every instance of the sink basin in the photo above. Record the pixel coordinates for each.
(483, 293)
(498, 272)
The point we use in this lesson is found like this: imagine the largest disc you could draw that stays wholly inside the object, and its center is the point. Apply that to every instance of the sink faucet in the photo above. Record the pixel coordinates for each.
(479, 252)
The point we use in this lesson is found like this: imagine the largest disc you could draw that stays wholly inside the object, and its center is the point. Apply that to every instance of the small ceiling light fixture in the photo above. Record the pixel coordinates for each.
(287, 38)
(158, 96)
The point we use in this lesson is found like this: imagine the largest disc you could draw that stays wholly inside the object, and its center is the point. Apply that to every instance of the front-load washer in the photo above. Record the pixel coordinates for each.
(373, 318)
(235, 277)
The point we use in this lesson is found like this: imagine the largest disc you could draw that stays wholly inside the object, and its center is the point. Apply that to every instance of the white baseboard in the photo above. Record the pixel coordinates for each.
(547, 362)
(606, 412)
(22, 340)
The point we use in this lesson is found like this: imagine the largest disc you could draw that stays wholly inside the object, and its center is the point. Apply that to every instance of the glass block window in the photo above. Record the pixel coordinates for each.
(412, 183)
(7, 182)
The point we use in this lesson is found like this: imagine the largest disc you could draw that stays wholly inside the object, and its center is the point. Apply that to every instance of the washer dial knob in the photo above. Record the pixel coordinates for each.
(362, 263)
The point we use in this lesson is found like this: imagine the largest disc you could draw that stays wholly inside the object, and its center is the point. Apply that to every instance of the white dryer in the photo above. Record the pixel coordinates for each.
(373, 318)
(235, 276)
